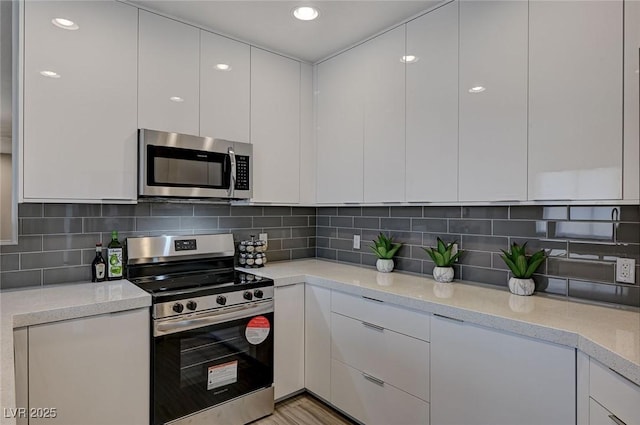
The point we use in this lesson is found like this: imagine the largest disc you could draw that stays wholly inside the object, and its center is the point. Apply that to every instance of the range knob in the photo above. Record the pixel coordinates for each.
(247, 295)
(222, 300)
(191, 305)
(258, 293)
(178, 307)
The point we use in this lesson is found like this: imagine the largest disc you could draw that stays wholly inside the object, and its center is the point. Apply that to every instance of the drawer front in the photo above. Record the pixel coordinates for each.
(374, 403)
(598, 415)
(400, 360)
(618, 395)
(398, 319)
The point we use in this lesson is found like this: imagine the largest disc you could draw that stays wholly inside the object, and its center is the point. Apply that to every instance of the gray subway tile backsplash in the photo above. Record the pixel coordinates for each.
(485, 212)
(20, 279)
(33, 226)
(72, 210)
(470, 227)
(579, 250)
(395, 223)
(56, 241)
(267, 221)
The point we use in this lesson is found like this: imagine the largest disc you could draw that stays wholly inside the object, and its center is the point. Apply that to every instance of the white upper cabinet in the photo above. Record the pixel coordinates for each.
(493, 120)
(575, 100)
(631, 166)
(275, 127)
(384, 117)
(225, 67)
(80, 130)
(432, 106)
(340, 127)
(168, 68)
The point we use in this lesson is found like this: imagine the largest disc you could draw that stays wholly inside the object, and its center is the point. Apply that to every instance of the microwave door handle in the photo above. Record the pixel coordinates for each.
(232, 180)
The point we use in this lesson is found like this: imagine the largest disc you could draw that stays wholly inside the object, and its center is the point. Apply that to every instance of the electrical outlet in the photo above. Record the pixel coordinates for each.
(356, 241)
(263, 237)
(626, 270)
(454, 250)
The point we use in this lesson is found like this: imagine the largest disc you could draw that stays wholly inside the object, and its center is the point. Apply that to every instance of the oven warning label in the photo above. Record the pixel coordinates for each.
(257, 330)
(222, 374)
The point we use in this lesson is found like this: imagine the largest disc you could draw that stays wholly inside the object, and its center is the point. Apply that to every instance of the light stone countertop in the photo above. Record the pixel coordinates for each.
(33, 306)
(608, 334)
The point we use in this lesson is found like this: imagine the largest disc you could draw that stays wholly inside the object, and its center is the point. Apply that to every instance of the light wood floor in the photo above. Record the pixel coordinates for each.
(304, 409)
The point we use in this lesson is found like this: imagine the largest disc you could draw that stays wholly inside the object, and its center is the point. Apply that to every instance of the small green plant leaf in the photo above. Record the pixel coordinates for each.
(512, 266)
(439, 259)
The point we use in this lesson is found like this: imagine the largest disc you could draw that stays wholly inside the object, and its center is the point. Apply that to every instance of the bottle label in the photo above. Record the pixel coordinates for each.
(100, 270)
(115, 262)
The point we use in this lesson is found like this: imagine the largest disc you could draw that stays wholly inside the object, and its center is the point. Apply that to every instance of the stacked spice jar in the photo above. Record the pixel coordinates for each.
(252, 253)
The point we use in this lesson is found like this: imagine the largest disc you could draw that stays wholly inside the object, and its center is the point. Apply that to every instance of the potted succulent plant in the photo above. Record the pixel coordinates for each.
(443, 257)
(385, 249)
(522, 266)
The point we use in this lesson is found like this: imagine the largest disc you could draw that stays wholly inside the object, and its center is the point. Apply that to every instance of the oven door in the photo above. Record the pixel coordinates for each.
(206, 359)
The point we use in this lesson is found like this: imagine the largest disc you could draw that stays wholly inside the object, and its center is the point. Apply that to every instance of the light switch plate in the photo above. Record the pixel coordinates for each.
(626, 270)
(356, 241)
(263, 237)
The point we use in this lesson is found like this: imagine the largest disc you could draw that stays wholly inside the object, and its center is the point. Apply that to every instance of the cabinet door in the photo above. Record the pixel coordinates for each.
(481, 376)
(78, 367)
(340, 123)
(493, 122)
(80, 129)
(224, 88)
(575, 100)
(598, 415)
(372, 401)
(317, 341)
(289, 340)
(275, 127)
(384, 117)
(432, 106)
(631, 166)
(400, 360)
(168, 65)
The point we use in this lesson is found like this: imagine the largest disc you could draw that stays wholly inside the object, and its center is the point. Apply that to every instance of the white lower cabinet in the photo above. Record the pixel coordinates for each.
(288, 372)
(317, 341)
(379, 361)
(613, 400)
(482, 376)
(92, 370)
(371, 401)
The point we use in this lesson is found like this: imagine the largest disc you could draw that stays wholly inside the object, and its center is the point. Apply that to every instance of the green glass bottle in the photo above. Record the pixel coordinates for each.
(114, 258)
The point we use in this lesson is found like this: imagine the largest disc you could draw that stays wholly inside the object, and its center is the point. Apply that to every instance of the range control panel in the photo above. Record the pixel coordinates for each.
(185, 245)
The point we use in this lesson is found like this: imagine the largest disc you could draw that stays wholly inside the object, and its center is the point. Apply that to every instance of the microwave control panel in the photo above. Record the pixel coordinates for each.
(242, 172)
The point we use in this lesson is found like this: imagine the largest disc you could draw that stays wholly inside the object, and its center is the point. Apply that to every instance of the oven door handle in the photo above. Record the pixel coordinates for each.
(170, 326)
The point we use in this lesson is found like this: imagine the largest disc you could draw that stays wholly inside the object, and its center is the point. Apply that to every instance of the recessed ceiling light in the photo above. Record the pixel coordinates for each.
(50, 74)
(65, 24)
(477, 89)
(223, 67)
(409, 59)
(305, 13)
(176, 99)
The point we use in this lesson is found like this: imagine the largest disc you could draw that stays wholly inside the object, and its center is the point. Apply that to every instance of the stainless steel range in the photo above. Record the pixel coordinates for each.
(212, 349)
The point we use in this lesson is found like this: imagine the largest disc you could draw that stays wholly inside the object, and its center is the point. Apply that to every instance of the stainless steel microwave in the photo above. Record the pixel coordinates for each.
(176, 165)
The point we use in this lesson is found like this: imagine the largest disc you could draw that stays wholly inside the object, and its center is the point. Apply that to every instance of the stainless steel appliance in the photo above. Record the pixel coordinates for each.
(184, 166)
(212, 330)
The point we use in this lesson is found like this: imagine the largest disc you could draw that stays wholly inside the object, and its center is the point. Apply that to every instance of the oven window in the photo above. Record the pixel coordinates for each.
(186, 168)
(200, 368)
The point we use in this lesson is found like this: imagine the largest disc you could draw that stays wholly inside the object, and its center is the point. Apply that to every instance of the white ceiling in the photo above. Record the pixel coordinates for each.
(269, 24)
